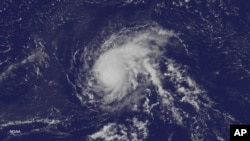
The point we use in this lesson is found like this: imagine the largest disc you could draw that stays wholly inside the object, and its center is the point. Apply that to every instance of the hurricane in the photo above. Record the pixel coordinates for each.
(118, 67)
(130, 71)
(123, 70)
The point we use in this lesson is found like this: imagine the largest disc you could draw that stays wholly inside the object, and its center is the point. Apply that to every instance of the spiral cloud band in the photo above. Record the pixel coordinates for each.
(118, 67)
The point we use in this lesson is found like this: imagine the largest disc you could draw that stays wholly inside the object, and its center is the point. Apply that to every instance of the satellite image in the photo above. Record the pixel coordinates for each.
(123, 70)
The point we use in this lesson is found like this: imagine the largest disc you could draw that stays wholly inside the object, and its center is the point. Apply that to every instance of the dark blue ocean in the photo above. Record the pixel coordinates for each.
(47, 49)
